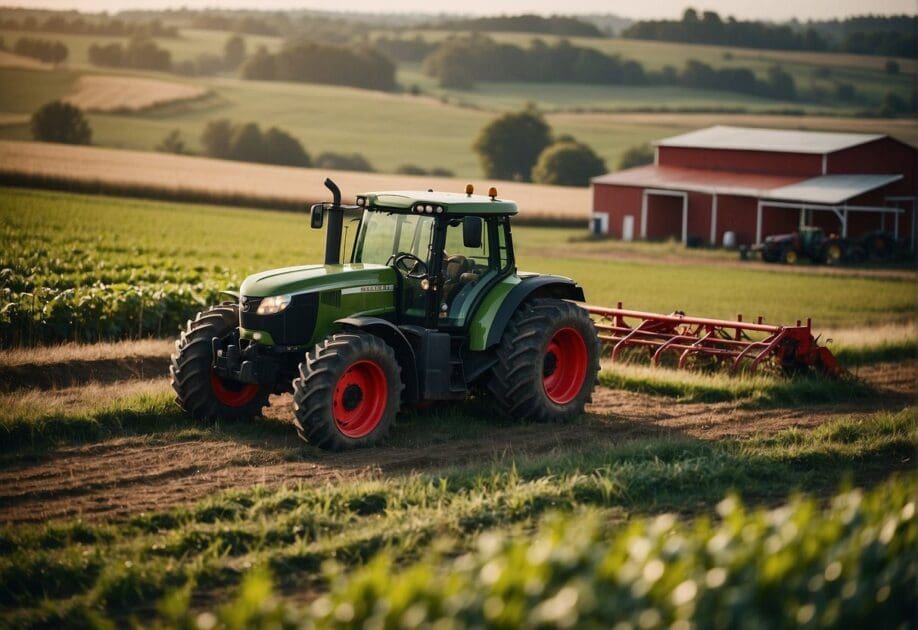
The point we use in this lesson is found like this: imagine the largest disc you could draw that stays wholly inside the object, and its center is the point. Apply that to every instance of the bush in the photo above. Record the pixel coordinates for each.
(892, 66)
(343, 162)
(638, 155)
(410, 169)
(568, 163)
(509, 145)
(140, 52)
(61, 122)
(173, 143)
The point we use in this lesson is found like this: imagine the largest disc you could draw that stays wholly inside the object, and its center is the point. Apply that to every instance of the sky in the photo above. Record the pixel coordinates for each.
(777, 10)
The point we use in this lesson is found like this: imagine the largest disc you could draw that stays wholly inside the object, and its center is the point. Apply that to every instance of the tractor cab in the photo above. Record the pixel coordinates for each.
(448, 250)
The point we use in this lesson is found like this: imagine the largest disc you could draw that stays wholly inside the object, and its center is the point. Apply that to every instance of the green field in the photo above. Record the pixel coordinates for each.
(84, 267)
(437, 128)
(794, 497)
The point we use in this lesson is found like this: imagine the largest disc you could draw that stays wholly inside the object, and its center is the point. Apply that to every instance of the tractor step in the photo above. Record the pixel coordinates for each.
(739, 344)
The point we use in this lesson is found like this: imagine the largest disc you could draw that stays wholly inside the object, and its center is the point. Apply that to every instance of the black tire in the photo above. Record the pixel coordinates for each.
(196, 391)
(518, 381)
(320, 411)
(833, 253)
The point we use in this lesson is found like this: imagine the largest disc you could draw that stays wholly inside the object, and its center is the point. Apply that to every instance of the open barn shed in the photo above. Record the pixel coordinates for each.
(756, 182)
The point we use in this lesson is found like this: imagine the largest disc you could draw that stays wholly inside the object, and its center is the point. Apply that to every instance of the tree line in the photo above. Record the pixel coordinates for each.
(95, 26)
(42, 49)
(311, 62)
(460, 61)
(868, 35)
(527, 23)
(140, 52)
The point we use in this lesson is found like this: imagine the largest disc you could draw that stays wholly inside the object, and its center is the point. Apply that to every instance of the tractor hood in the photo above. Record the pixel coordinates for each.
(308, 278)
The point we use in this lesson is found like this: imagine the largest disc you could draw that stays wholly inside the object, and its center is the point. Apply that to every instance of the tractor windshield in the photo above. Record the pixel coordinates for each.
(383, 234)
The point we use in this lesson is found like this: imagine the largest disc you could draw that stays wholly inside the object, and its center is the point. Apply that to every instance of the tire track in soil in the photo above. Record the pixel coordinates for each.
(127, 476)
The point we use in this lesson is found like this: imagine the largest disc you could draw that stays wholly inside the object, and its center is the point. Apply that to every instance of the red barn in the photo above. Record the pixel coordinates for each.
(756, 182)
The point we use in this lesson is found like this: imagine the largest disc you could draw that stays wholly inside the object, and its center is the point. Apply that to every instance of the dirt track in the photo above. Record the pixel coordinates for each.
(126, 476)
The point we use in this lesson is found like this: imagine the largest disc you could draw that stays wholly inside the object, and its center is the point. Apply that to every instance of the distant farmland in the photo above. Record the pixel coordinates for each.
(202, 179)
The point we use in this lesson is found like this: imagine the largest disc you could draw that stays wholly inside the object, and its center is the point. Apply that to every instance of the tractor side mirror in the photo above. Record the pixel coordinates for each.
(471, 232)
(317, 216)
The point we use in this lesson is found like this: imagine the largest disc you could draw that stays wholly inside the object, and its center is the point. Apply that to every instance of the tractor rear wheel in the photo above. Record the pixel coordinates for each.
(199, 390)
(348, 392)
(547, 362)
(833, 254)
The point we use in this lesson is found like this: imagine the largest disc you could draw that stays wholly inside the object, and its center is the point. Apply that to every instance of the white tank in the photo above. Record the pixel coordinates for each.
(729, 239)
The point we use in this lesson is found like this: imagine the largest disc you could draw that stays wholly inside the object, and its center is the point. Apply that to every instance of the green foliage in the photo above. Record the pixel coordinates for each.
(140, 52)
(343, 162)
(42, 49)
(851, 565)
(459, 61)
(310, 62)
(528, 23)
(173, 143)
(61, 122)
(567, 163)
(246, 142)
(430, 523)
(509, 145)
(234, 52)
(638, 155)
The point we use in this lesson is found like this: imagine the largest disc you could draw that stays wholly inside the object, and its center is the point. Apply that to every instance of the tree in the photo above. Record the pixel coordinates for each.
(282, 148)
(234, 52)
(216, 138)
(344, 162)
(509, 145)
(568, 163)
(61, 122)
(247, 144)
(173, 143)
(638, 155)
(892, 66)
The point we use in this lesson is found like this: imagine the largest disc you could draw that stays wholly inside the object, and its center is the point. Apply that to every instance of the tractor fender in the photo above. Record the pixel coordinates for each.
(529, 288)
(389, 332)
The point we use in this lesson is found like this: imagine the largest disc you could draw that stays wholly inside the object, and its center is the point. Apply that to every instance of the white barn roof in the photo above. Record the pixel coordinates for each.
(778, 140)
(831, 189)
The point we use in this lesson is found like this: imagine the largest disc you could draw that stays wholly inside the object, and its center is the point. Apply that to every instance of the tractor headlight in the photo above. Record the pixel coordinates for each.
(274, 304)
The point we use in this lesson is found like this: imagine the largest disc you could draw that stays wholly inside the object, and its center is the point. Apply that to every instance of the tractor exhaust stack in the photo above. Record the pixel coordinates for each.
(335, 223)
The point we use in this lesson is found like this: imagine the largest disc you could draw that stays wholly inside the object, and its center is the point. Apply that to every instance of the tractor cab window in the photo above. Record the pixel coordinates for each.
(466, 270)
(401, 241)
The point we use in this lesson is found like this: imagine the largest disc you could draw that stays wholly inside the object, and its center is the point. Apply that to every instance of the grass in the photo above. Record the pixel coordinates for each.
(748, 391)
(57, 242)
(119, 568)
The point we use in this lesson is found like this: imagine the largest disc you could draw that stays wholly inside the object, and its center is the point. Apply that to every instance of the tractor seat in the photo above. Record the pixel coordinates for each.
(458, 273)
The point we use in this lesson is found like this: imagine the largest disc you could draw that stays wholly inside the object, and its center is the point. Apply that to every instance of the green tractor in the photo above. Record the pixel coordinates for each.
(429, 307)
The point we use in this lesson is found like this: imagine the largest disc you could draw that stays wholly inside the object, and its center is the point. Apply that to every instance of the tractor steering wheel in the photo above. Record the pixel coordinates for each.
(411, 265)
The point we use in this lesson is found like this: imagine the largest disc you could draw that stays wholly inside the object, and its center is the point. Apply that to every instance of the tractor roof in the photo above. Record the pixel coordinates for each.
(452, 203)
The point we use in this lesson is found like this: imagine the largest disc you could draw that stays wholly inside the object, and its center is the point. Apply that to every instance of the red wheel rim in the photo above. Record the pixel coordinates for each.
(231, 393)
(360, 397)
(564, 366)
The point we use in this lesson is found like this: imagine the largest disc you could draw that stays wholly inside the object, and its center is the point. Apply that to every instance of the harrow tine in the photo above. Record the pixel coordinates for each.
(713, 338)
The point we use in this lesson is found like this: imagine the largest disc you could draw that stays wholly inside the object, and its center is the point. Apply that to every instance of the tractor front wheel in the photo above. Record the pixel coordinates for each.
(199, 390)
(348, 392)
(547, 362)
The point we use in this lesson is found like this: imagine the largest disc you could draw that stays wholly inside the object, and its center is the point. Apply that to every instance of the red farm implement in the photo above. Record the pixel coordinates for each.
(738, 345)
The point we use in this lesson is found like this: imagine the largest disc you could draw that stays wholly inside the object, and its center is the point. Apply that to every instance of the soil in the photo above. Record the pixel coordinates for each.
(126, 476)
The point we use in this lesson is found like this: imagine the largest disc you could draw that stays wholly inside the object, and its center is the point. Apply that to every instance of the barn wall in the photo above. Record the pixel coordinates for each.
(616, 202)
(762, 162)
(885, 156)
(736, 214)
